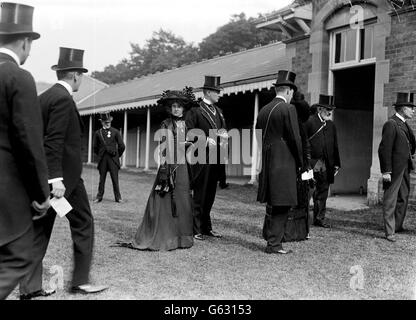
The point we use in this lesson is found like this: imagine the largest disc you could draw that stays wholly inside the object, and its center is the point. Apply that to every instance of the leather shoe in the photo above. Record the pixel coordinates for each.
(213, 234)
(224, 185)
(401, 230)
(88, 289)
(97, 200)
(36, 294)
(322, 224)
(199, 237)
(119, 200)
(391, 238)
(270, 250)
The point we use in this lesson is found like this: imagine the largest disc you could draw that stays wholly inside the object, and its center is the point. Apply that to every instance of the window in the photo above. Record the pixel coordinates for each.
(352, 45)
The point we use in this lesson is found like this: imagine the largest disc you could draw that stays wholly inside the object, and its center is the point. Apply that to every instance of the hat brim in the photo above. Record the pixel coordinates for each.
(286, 84)
(326, 106)
(57, 68)
(31, 34)
(218, 89)
(107, 120)
(404, 104)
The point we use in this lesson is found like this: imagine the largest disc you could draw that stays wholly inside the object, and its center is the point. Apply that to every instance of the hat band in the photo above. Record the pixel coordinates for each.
(13, 27)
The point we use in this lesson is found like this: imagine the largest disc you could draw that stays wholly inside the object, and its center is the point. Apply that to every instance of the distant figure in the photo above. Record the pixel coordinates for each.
(281, 161)
(109, 147)
(207, 116)
(395, 153)
(23, 170)
(168, 219)
(325, 160)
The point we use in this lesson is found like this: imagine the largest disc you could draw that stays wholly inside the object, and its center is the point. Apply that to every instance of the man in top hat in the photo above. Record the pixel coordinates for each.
(208, 118)
(63, 130)
(325, 160)
(395, 153)
(281, 160)
(109, 147)
(23, 170)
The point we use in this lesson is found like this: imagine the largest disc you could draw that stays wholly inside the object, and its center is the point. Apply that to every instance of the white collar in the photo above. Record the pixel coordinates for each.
(207, 101)
(320, 118)
(11, 54)
(400, 117)
(281, 97)
(66, 86)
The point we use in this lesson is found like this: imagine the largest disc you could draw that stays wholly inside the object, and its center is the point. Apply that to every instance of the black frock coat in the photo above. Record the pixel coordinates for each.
(23, 170)
(281, 154)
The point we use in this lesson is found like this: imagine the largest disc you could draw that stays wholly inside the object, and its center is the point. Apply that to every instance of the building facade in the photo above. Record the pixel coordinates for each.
(362, 52)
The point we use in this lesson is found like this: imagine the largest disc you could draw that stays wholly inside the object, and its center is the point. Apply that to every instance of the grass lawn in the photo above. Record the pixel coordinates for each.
(235, 267)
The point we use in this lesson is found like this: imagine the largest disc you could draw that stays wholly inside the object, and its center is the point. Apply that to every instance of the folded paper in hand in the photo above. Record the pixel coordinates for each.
(61, 206)
(307, 175)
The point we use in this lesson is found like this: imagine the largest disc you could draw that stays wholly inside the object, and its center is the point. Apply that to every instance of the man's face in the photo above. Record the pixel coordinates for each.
(214, 96)
(326, 114)
(77, 80)
(106, 124)
(26, 46)
(408, 112)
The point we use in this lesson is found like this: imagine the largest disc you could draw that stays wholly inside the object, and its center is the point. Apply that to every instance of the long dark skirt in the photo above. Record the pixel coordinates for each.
(159, 229)
(297, 226)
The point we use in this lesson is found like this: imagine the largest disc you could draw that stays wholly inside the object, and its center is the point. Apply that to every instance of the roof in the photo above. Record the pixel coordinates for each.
(245, 70)
(89, 87)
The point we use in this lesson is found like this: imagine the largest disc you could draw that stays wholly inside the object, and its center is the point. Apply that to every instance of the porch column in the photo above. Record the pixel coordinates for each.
(255, 148)
(146, 166)
(90, 141)
(125, 139)
(138, 148)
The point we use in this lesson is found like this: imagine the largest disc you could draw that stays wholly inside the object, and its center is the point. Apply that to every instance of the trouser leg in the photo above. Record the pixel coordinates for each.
(102, 169)
(15, 260)
(275, 225)
(81, 224)
(32, 282)
(114, 179)
(320, 196)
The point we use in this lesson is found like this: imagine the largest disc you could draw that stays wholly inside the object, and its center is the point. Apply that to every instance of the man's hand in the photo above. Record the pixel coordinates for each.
(41, 209)
(386, 177)
(58, 189)
(211, 142)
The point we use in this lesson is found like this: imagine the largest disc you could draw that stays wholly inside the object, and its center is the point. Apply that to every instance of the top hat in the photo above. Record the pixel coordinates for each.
(186, 96)
(16, 19)
(105, 117)
(326, 101)
(212, 83)
(286, 78)
(404, 99)
(70, 59)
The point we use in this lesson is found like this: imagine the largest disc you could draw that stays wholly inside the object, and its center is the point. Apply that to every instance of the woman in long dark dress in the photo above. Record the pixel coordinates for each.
(168, 219)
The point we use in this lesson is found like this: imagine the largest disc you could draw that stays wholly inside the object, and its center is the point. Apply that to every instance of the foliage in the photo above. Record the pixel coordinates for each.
(164, 50)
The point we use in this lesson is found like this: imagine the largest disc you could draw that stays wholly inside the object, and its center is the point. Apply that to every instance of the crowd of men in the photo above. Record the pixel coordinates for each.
(40, 157)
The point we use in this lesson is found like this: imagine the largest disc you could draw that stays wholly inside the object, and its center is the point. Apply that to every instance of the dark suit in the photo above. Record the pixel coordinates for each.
(324, 150)
(23, 171)
(205, 176)
(109, 147)
(62, 131)
(281, 157)
(395, 150)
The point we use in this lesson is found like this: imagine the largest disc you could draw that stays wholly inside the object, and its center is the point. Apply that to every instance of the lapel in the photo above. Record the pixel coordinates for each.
(208, 114)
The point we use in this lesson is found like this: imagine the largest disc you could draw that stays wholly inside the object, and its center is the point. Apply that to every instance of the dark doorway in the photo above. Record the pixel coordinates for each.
(353, 118)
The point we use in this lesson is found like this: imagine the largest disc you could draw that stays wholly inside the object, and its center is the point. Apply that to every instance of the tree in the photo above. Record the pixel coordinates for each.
(239, 33)
(163, 51)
